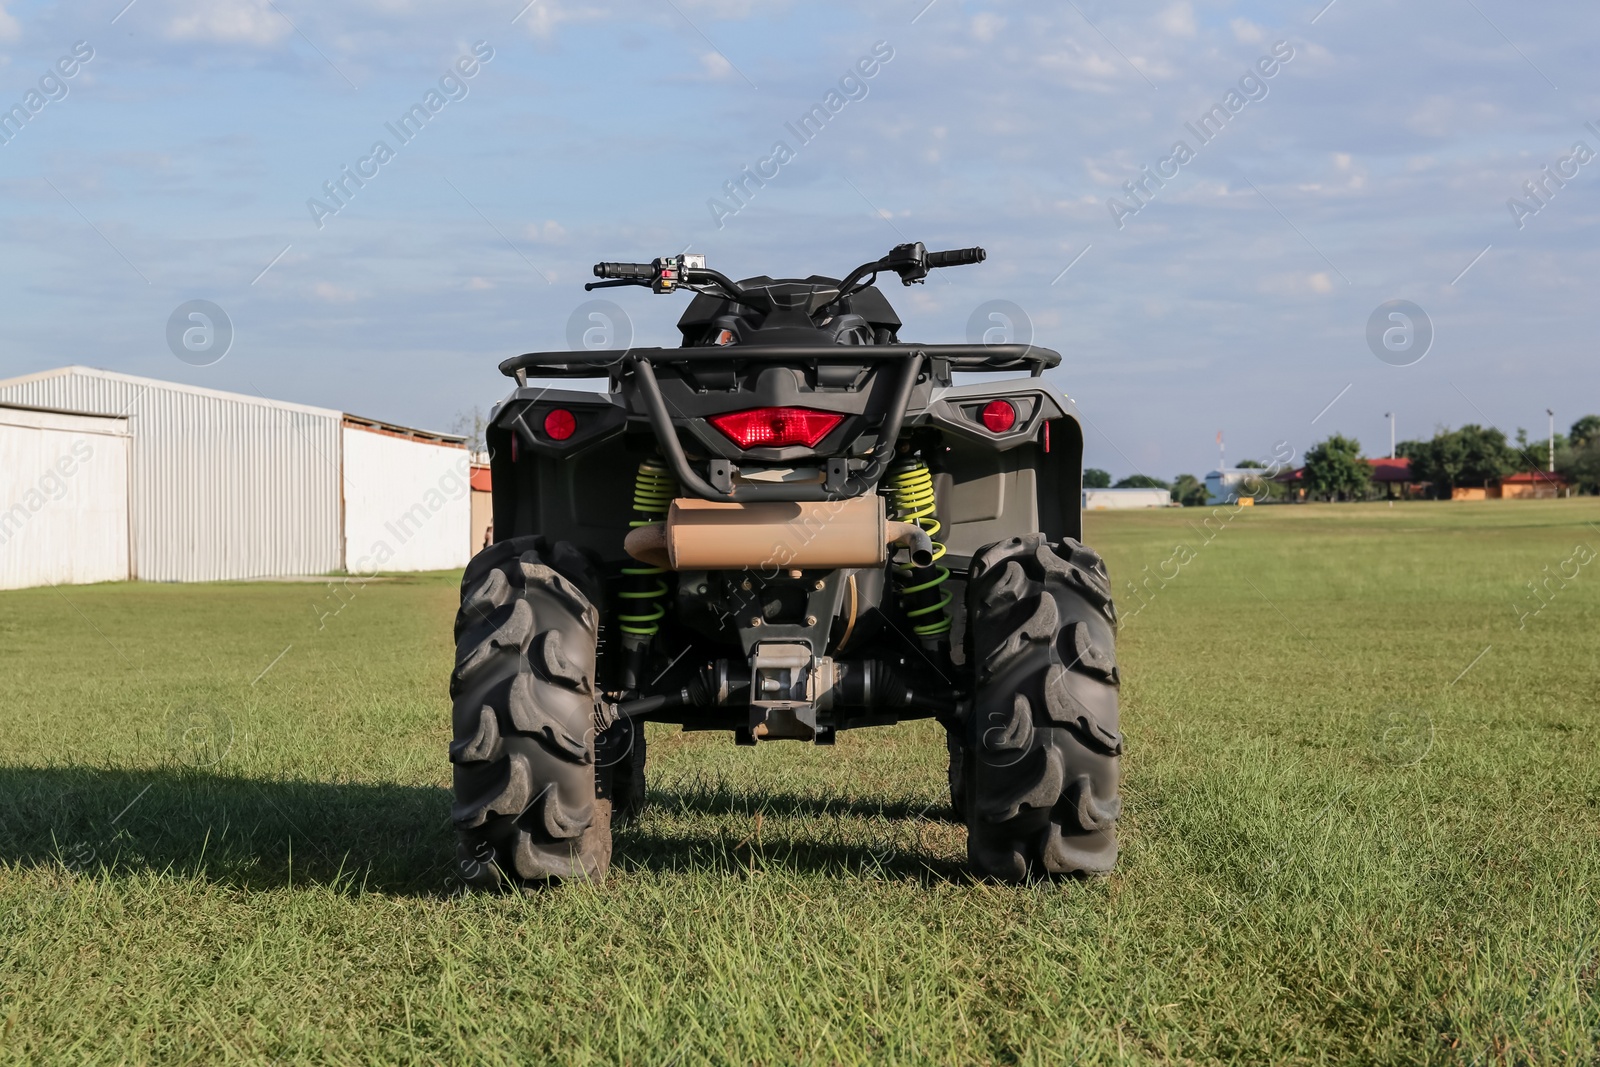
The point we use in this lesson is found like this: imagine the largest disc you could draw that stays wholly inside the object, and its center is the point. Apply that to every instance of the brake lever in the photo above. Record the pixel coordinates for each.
(614, 283)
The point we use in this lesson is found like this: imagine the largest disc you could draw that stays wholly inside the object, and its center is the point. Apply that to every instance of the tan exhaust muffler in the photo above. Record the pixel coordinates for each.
(712, 535)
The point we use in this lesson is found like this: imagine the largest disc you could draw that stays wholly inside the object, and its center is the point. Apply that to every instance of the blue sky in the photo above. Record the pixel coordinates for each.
(1376, 166)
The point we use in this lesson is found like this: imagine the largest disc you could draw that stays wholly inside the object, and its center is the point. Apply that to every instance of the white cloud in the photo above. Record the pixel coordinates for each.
(1083, 68)
(479, 284)
(10, 29)
(986, 25)
(716, 66)
(1247, 32)
(549, 232)
(543, 18)
(1296, 284)
(1178, 19)
(329, 293)
(230, 22)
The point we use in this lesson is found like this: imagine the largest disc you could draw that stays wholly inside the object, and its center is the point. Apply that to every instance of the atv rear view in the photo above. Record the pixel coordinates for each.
(791, 525)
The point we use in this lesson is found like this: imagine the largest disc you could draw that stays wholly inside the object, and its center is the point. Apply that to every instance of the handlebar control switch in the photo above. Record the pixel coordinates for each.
(669, 271)
(910, 261)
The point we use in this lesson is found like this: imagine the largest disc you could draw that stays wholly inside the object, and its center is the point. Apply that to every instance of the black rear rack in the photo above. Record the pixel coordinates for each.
(972, 358)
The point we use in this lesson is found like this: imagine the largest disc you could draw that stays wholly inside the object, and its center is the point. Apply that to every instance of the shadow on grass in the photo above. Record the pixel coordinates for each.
(895, 854)
(397, 839)
(713, 796)
(238, 831)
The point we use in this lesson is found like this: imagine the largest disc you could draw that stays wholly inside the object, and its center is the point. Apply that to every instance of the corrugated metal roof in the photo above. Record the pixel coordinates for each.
(361, 422)
(173, 387)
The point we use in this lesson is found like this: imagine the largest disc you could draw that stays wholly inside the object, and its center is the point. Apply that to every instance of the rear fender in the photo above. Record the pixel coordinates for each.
(579, 489)
(991, 486)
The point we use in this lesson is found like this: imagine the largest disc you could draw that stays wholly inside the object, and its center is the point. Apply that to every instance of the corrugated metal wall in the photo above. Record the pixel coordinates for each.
(407, 503)
(223, 486)
(63, 499)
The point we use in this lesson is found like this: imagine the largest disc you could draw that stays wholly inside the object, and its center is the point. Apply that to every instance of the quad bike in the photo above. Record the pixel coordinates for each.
(791, 525)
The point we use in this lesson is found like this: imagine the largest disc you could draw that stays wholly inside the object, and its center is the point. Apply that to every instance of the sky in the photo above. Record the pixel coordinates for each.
(1385, 158)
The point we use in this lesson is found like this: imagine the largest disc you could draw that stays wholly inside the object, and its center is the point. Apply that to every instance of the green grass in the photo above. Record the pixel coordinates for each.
(1351, 835)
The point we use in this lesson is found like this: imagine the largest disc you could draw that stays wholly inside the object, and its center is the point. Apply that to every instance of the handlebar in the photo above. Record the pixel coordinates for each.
(957, 257)
(624, 270)
(911, 262)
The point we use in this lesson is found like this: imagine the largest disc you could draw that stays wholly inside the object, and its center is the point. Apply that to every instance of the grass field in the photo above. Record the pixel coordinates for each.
(1361, 825)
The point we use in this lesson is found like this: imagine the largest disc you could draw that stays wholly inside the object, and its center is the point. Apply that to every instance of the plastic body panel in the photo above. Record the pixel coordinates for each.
(989, 486)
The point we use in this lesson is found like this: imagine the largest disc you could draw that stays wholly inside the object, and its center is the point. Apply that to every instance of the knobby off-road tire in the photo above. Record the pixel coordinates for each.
(620, 775)
(1039, 770)
(956, 745)
(526, 807)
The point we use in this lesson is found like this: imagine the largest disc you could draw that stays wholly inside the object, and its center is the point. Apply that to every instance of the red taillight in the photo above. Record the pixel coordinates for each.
(560, 424)
(999, 416)
(776, 427)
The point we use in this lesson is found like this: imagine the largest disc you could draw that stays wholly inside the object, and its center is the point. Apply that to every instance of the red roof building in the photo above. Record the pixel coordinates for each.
(1396, 471)
(1523, 485)
(1391, 470)
(1530, 485)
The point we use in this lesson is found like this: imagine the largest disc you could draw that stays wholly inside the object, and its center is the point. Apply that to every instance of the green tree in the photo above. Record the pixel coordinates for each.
(1471, 456)
(1095, 478)
(1584, 431)
(1580, 462)
(1335, 470)
(1190, 491)
(1141, 481)
(1534, 455)
(1252, 465)
(1581, 465)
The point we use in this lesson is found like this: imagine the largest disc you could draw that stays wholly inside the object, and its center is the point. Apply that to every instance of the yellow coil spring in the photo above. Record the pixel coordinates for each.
(653, 490)
(909, 487)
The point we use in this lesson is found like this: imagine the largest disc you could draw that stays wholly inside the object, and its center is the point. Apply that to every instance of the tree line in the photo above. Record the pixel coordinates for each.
(1186, 489)
(1472, 456)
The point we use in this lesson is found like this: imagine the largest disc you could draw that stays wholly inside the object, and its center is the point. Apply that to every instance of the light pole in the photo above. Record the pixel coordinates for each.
(1552, 414)
(1390, 416)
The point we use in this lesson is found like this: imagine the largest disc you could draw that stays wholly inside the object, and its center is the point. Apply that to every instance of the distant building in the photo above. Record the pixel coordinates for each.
(482, 504)
(1392, 475)
(1231, 483)
(106, 476)
(1395, 476)
(1531, 485)
(1117, 499)
(1523, 485)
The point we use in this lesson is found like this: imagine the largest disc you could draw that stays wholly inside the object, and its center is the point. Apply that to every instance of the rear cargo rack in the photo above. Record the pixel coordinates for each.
(945, 358)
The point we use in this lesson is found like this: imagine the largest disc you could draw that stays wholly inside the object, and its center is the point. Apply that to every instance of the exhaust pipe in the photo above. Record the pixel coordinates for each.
(828, 534)
(914, 539)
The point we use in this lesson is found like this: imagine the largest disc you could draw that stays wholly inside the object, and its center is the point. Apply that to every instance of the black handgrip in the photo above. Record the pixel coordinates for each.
(956, 257)
(624, 270)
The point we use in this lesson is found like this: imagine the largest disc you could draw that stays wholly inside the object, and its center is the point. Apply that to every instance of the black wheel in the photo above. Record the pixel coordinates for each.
(620, 753)
(526, 809)
(958, 787)
(1039, 770)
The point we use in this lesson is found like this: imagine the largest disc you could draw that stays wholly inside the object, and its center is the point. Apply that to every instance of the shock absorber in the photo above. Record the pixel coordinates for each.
(644, 587)
(909, 489)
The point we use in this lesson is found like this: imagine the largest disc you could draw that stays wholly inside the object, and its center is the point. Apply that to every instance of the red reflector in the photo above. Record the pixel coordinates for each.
(999, 416)
(776, 427)
(560, 424)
